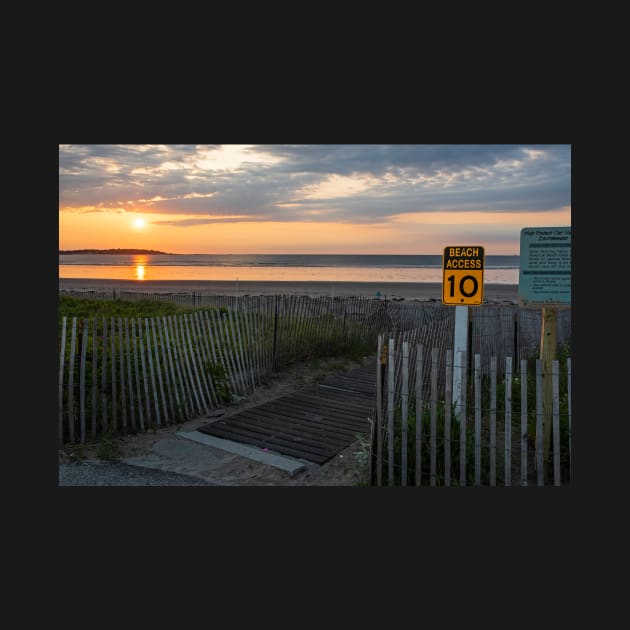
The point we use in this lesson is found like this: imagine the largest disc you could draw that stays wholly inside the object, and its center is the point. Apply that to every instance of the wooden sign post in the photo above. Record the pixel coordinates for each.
(545, 281)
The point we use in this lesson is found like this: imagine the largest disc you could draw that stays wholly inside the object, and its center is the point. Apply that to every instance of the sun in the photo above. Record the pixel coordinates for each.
(139, 223)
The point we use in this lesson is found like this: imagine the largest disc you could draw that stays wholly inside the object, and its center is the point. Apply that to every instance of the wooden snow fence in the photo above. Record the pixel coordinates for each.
(497, 439)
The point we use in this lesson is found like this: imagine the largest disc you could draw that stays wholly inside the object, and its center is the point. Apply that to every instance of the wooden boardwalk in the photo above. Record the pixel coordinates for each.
(314, 423)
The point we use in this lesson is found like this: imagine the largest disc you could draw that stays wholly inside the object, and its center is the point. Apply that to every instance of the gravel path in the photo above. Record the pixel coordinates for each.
(116, 474)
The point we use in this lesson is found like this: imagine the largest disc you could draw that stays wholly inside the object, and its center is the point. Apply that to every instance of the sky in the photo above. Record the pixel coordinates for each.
(310, 198)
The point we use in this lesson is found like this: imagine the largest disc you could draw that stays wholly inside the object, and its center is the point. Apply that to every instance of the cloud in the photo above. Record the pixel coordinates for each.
(346, 183)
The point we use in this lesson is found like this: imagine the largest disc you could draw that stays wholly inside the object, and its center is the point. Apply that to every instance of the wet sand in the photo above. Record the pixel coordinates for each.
(431, 291)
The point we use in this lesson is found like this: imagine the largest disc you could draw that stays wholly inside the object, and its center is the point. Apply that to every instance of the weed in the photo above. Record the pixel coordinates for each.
(108, 448)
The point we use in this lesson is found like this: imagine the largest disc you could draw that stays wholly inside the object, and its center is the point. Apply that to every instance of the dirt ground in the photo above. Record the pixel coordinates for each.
(347, 468)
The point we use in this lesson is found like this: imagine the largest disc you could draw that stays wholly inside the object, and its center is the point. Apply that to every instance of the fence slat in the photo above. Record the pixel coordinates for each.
(112, 330)
(86, 330)
(379, 412)
(555, 394)
(448, 397)
(178, 412)
(463, 418)
(434, 396)
(138, 383)
(523, 422)
(419, 412)
(104, 422)
(159, 367)
(193, 362)
(145, 377)
(477, 378)
(132, 411)
(62, 354)
(390, 412)
(405, 408)
(569, 410)
(507, 461)
(167, 365)
(123, 393)
(493, 421)
(184, 349)
(156, 404)
(94, 376)
(540, 471)
(187, 397)
(73, 339)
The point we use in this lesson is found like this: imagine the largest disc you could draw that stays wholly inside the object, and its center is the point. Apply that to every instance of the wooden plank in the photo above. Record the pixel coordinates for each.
(62, 354)
(463, 417)
(132, 410)
(94, 376)
(477, 419)
(113, 368)
(289, 406)
(448, 397)
(548, 344)
(158, 369)
(156, 404)
(113, 364)
(507, 459)
(182, 369)
(257, 441)
(404, 410)
(104, 379)
(138, 382)
(419, 410)
(433, 428)
(246, 345)
(540, 466)
(145, 375)
(228, 353)
(569, 409)
(306, 423)
(202, 343)
(289, 431)
(166, 367)
(555, 393)
(233, 342)
(493, 421)
(73, 339)
(379, 411)
(186, 400)
(197, 353)
(86, 330)
(523, 422)
(123, 394)
(184, 349)
(390, 413)
(176, 381)
(193, 362)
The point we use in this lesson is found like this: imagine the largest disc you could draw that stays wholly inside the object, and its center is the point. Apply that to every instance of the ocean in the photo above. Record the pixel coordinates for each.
(276, 267)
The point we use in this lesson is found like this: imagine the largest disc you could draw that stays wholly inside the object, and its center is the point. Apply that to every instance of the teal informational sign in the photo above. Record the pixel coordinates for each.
(545, 266)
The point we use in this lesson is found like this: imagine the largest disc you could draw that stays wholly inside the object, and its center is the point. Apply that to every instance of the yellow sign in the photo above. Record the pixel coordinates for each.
(462, 283)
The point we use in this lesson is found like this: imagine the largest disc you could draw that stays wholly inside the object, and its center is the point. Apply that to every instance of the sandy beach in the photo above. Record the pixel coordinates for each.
(493, 293)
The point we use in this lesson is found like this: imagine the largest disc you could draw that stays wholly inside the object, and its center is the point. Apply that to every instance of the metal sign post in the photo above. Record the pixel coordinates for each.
(462, 285)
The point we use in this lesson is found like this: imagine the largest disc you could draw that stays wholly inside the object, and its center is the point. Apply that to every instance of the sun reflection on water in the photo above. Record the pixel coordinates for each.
(140, 262)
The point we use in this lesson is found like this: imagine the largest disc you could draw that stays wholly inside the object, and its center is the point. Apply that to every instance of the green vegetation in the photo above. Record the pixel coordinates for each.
(88, 307)
(108, 448)
(563, 353)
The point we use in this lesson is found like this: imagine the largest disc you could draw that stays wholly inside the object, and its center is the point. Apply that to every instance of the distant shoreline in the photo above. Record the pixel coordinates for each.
(66, 252)
(427, 291)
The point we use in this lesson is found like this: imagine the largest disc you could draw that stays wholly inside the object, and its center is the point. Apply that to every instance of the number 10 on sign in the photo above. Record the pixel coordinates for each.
(462, 282)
